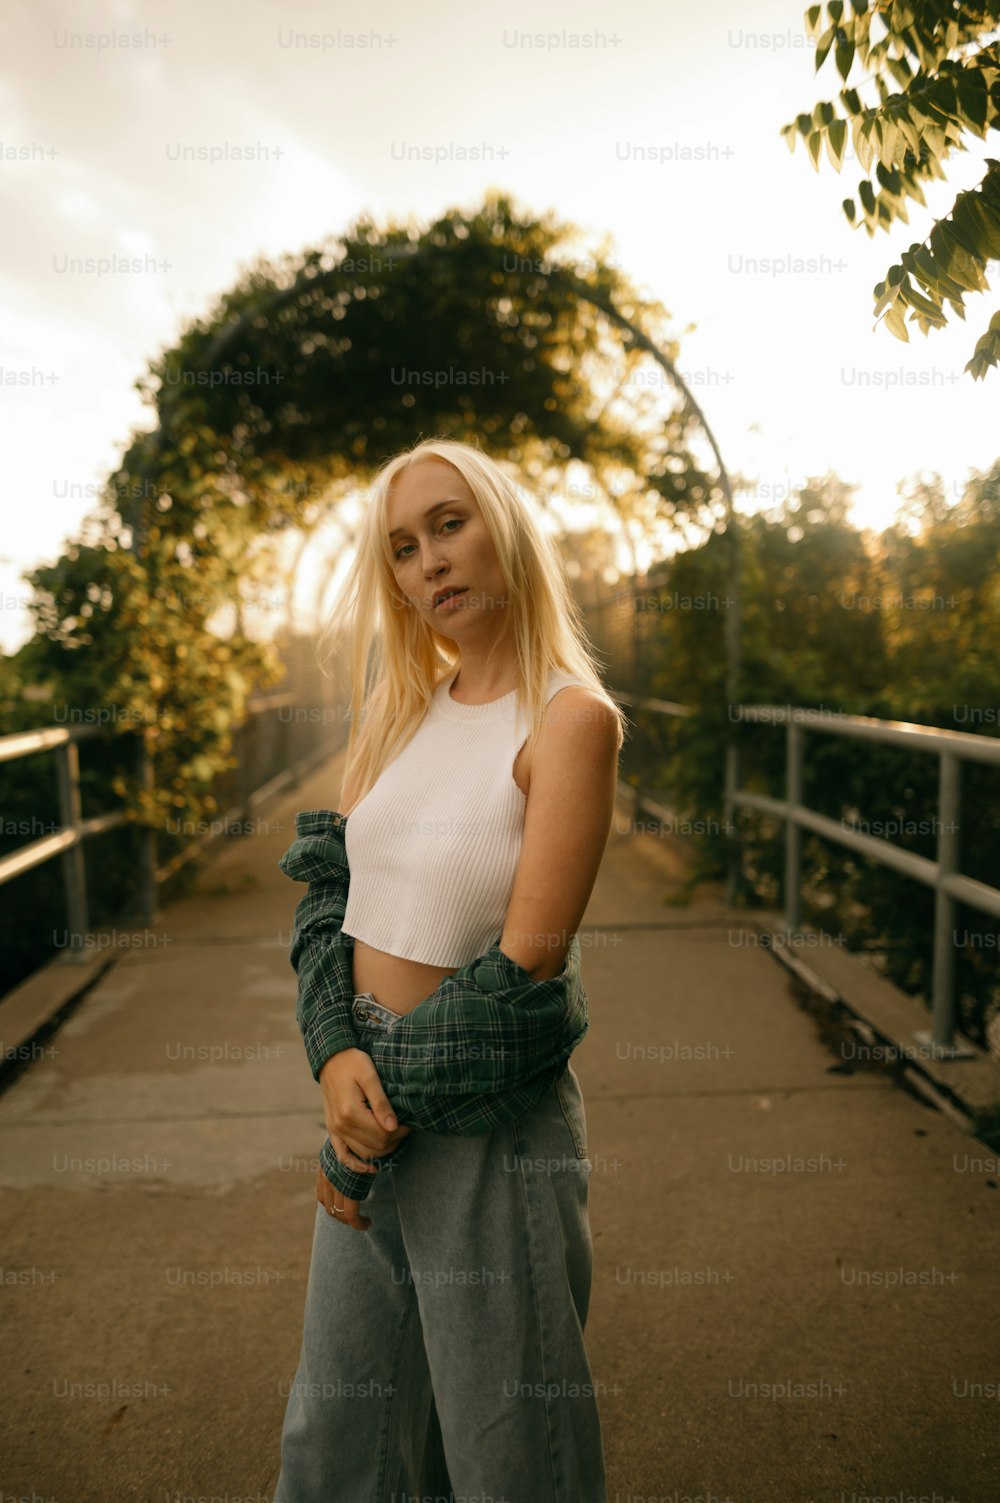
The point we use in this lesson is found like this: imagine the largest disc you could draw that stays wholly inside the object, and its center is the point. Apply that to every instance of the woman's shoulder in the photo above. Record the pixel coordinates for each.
(572, 690)
(578, 720)
(561, 678)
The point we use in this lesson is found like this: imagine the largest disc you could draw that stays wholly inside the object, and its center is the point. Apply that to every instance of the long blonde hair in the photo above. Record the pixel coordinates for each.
(397, 659)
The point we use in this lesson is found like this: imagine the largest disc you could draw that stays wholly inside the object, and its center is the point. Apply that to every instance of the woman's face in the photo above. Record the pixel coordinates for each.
(439, 542)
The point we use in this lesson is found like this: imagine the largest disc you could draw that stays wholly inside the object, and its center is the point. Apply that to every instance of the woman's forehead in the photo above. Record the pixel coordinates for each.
(421, 485)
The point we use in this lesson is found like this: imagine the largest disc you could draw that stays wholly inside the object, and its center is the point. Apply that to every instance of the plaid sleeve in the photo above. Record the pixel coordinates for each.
(321, 957)
(349, 1181)
(484, 1047)
(318, 954)
(476, 1054)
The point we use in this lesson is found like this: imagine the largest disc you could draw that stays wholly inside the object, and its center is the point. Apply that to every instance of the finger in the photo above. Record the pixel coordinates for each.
(326, 1194)
(365, 1152)
(377, 1099)
(352, 1215)
(366, 1137)
(358, 1144)
(339, 1207)
(345, 1153)
(366, 1133)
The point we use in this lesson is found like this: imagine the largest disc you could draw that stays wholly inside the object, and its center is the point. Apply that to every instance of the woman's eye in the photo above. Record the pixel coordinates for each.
(451, 522)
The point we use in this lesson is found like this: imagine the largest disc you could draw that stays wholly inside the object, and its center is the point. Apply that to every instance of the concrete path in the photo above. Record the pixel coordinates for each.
(796, 1266)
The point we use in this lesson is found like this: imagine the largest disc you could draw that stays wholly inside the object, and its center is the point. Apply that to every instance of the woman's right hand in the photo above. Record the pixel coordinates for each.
(359, 1119)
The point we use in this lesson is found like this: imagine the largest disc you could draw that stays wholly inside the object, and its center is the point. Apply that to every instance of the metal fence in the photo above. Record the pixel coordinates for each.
(952, 748)
(943, 875)
(284, 735)
(287, 732)
(67, 841)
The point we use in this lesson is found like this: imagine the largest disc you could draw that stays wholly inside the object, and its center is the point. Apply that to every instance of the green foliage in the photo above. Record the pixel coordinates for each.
(901, 626)
(944, 59)
(33, 918)
(483, 327)
(125, 643)
(293, 388)
(490, 326)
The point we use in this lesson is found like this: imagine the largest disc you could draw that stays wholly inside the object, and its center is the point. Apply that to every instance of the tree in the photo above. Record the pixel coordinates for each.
(308, 373)
(900, 625)
(940, 566)
(944, 57)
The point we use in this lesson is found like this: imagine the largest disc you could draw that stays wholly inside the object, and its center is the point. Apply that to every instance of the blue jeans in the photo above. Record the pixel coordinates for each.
(443, 1353)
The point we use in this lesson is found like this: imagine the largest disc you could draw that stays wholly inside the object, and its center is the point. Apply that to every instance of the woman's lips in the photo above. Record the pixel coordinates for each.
(443, 605)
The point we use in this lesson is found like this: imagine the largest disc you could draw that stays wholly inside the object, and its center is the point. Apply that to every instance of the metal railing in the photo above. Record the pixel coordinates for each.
(642, 798)
(67, 841)
(943, 875)
(950, 886)
(284, 759)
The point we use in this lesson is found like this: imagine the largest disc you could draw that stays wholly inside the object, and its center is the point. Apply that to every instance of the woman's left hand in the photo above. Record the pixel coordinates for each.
(347, 1211)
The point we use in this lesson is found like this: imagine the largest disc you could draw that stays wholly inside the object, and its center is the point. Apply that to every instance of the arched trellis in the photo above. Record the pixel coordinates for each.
(277, 297)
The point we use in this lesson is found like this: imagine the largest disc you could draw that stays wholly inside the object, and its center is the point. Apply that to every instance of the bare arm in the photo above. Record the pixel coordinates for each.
(567, 820)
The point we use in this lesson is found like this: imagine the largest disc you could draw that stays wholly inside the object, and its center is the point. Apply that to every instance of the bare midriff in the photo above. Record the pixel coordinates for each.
(394, 981)
(403, 984)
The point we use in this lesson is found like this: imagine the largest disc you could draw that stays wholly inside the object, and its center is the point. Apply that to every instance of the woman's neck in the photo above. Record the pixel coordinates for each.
(475, 683)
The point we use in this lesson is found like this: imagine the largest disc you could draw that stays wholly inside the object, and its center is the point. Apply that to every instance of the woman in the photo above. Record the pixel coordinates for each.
(443, 1349)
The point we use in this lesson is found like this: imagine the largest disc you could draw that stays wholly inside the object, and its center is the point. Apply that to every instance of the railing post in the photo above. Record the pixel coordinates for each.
(729, 814)
(637, 785)
(287, 742)
(147, 842)
(943, 993)
(940, 1038)
(793, 833)
(74, 867)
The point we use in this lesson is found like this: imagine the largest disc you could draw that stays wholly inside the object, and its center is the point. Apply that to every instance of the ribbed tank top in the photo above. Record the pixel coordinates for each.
(434, 844)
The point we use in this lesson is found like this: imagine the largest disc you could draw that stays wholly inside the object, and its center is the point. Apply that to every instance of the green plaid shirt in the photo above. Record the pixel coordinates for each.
(475, 1054)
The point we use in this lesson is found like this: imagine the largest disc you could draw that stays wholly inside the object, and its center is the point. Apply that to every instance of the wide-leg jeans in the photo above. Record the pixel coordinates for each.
(443, 1352)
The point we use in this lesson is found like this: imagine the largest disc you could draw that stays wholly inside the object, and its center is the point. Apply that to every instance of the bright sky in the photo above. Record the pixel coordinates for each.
(664, 130)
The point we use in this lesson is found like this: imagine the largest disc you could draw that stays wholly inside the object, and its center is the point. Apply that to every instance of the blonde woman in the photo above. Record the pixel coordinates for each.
(440, 996)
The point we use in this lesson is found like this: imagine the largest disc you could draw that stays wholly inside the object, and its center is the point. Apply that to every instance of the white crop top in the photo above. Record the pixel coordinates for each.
(434, 844)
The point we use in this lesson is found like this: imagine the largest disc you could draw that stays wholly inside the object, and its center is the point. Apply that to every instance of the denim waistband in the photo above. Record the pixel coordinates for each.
(371, 1014)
